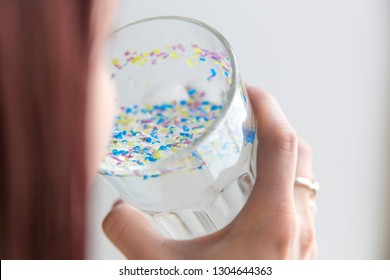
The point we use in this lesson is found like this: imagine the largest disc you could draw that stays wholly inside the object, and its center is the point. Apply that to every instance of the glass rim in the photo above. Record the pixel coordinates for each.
(181, 153)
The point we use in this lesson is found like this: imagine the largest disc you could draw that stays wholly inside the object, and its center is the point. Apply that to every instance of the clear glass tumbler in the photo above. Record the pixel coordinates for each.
(183, 146)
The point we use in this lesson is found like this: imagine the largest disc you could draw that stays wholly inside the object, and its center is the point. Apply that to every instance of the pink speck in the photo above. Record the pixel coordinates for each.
(197, 104)
(180, 47)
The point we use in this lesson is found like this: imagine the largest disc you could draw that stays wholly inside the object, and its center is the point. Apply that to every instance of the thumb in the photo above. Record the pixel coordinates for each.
(130, 231)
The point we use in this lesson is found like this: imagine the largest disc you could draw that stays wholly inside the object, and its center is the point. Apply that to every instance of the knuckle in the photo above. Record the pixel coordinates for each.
(307, 239)
(112, 223)
(284, 137)
(108, 223)
(285, 238)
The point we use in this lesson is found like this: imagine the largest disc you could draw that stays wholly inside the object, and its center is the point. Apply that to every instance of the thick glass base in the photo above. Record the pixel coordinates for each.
(210, 216)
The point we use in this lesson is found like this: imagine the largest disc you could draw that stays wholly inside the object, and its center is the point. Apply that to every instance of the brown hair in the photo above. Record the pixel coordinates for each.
(44, 58)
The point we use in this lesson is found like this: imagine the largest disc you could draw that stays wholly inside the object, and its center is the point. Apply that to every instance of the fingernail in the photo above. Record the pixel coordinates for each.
(116, 203)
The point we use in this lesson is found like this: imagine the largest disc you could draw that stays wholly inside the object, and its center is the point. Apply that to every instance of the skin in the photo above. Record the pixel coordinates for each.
(276, 222)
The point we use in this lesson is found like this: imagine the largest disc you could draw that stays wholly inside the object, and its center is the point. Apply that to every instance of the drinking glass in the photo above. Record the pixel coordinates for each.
(183, 149)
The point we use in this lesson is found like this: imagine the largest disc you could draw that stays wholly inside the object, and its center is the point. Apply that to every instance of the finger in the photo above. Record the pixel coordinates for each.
(276, 158)
(303, 196)
(313, 253)
(130, 231)
(305, 242)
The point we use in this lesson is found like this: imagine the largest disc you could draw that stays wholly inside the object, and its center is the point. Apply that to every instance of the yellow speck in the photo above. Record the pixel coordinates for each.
(149, 107)
(189, 62)
(229, 81)
(156, 51)
(164, 130)
(197, 50)
(184, 114)
(115, 61)
(173, 55)
(158, 154)
(145, 54)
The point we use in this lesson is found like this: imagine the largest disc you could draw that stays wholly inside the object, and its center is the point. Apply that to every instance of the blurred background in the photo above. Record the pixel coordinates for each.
(328, 65)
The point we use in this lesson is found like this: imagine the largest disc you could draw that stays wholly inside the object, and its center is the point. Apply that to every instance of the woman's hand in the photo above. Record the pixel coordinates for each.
(275, 223)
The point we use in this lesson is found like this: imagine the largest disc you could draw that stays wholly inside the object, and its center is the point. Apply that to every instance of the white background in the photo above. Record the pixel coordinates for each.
(281, 270)
(328, 64)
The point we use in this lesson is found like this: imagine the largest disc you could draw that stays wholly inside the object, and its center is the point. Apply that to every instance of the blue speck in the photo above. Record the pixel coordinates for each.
(162, 148)
(250, 137)
(148, 140)
(202, 59)
(191, 91)
(213, 72)
(214, 107)
(151, 159)
(183, 102)
(128, 110)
